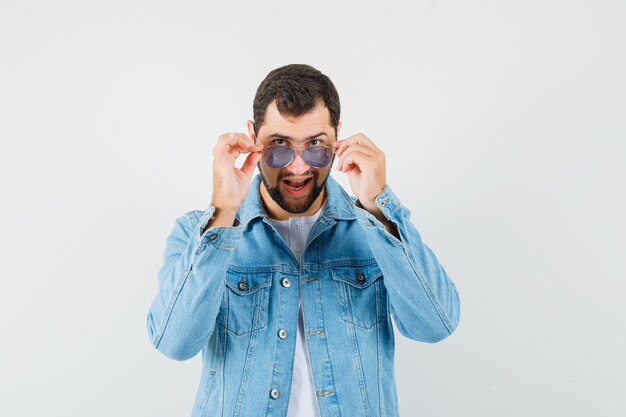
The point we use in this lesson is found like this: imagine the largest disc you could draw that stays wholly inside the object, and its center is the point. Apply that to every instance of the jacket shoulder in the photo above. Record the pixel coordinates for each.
(193, 216)
(188, 221)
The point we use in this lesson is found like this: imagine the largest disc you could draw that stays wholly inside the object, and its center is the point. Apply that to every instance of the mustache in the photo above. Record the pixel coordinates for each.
(287, 175)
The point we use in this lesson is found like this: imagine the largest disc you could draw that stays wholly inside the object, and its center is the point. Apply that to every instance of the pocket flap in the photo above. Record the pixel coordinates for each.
(244, 283)
(360, 276)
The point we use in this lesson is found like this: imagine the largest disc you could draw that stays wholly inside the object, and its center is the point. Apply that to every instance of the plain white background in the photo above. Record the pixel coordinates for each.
(505, 133)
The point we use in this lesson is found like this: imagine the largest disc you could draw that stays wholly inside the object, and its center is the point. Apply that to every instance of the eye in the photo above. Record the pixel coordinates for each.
(280, 142)
(315, 142)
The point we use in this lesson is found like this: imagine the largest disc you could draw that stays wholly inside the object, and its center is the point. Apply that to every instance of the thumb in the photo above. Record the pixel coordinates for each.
(250, 163)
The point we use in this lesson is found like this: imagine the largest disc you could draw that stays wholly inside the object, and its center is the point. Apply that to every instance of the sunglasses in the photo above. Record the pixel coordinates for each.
(280, 156)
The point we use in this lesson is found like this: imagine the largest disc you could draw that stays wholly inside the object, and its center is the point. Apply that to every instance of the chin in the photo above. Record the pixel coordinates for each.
(279, 191)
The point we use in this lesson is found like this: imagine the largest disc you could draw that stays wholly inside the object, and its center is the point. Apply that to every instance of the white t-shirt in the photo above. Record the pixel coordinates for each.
(302, 400)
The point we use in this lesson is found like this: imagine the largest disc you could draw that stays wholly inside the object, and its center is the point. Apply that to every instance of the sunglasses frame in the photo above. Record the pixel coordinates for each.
(299, 150)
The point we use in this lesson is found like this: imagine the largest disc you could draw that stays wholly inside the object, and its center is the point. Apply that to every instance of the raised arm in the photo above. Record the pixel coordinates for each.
(423, 300)
(191, 281)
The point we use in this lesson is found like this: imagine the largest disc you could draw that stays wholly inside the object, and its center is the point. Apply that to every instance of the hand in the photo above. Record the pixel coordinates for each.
(231, 184)
(365, 165)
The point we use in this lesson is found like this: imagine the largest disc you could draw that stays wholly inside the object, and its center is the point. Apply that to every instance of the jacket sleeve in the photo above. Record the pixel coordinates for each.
(423, 300)
(182, 316)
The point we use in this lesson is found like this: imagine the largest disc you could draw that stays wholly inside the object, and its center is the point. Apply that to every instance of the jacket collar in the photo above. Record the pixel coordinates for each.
(339, 205)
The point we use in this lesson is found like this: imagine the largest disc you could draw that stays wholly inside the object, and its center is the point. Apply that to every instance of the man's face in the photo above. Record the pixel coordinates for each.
(296, 187)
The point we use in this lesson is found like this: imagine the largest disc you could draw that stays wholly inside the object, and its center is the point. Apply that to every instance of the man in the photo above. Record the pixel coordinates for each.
(286, 284)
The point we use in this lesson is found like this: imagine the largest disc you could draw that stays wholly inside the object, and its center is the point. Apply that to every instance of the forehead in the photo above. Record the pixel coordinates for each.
(297, 127)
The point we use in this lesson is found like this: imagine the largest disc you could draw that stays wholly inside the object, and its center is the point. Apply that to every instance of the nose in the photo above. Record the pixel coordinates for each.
(298, 165)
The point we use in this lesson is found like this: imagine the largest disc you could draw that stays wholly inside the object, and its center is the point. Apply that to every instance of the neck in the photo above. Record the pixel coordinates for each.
(276, 212)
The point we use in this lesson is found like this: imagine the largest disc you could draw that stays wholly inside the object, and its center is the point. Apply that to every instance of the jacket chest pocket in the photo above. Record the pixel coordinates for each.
(361, 293)
(245, 302)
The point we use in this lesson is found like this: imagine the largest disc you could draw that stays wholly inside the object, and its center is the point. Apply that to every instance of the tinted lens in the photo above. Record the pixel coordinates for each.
(278, 156)
(317, 156)
(281, 156)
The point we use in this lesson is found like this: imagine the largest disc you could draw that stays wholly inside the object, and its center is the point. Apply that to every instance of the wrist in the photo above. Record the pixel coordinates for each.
(224, 205)
(369, 203)
(222, 217)
(224, 209)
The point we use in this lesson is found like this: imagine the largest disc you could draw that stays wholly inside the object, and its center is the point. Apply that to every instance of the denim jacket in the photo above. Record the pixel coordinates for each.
(232, 293)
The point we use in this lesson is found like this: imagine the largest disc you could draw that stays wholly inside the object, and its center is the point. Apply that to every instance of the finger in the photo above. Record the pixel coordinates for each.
(239, 148)
(356, 147)
(349, 167)
(224, 142)
(352, 149)
(243, 144)
(250, 163)
(235, 143)
(355, 158)
(358, 139)
(341, 145)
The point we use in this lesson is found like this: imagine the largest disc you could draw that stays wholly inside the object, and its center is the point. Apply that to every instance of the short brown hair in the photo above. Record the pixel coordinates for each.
(296, 89)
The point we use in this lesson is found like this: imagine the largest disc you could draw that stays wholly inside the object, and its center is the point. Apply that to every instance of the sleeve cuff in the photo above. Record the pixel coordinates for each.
(386, 201)
(221, 237)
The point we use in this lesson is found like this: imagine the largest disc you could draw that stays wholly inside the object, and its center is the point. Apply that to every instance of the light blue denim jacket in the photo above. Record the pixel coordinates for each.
(232, 293)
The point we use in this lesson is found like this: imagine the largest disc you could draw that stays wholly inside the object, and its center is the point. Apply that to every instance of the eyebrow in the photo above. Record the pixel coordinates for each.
(281, 136)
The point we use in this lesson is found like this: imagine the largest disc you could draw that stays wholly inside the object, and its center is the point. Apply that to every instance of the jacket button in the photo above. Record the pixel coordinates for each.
(285, 282)
(242, 285)
(282, 333)
(213, 236)
(360, 277)
(274, 393)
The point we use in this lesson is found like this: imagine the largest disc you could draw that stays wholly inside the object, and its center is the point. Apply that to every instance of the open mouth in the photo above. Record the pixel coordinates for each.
(296, 185)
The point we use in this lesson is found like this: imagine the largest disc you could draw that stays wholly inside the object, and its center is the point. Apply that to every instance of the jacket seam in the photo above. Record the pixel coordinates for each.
(430, 294)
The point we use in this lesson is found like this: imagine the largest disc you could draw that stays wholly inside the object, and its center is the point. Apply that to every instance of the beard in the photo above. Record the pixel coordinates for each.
(295, 206)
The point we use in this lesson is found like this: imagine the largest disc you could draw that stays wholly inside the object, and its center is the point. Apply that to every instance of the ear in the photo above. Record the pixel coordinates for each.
(338, 127)
(251, 130)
